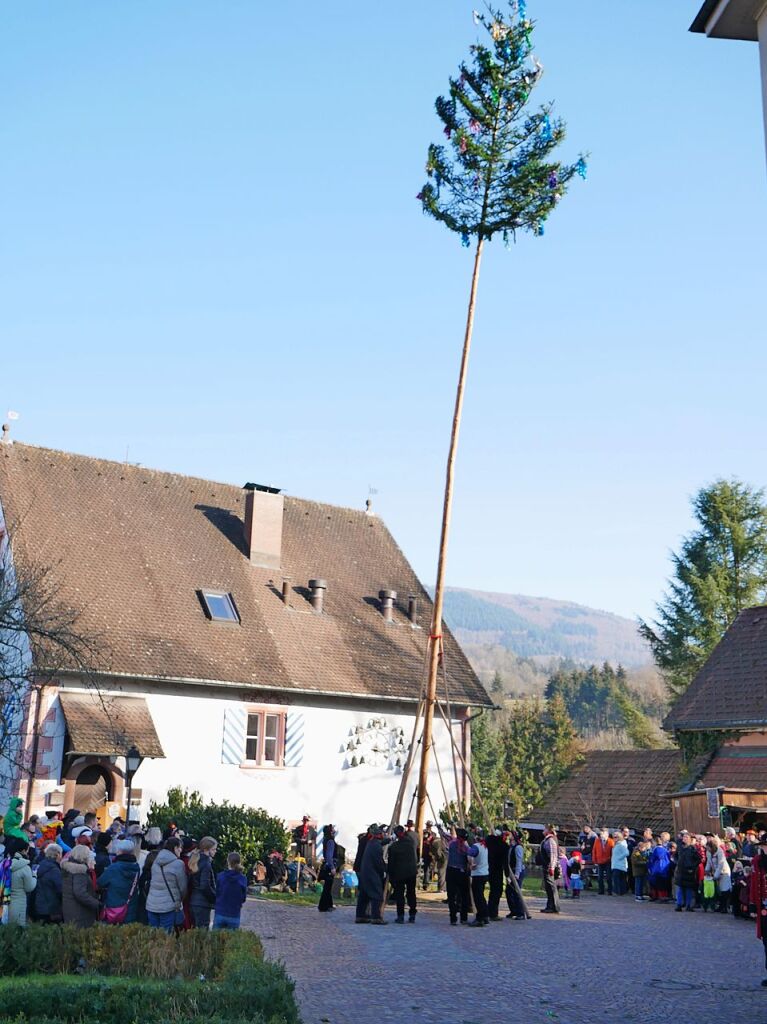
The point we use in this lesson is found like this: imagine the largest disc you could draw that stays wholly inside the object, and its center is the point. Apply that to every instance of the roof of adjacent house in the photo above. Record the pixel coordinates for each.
(730, 690)
(729, 19)
(736, 767)
(131, 547)
(615, 788)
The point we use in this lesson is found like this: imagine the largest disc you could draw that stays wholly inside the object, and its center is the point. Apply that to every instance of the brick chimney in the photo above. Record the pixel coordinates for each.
(264, 508)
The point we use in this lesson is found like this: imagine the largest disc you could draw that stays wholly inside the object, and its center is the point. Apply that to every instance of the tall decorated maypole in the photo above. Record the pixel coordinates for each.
(494, 175)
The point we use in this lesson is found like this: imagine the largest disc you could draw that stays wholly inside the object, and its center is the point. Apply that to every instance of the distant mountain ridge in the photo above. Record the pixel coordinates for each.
(543, 628)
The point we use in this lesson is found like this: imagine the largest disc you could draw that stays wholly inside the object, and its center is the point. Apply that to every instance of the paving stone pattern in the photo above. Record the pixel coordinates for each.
(638, 962)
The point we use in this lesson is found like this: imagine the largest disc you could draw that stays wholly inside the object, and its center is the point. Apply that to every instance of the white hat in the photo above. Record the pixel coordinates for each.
(81, 830)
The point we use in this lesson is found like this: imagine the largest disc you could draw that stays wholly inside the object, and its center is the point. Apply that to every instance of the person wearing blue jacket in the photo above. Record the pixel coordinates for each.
(659, 871)
(231, 893)
(119, 882)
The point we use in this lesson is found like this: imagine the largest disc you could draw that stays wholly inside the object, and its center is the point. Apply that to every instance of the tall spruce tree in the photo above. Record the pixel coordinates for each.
(495, 175)
(720, 569)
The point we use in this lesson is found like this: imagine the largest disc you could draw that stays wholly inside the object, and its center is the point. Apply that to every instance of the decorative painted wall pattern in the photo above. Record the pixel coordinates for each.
(376, 745)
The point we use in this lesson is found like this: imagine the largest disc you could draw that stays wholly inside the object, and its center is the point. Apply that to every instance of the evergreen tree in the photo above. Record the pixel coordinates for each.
(495, 175)
(496, 687)
(720, 570)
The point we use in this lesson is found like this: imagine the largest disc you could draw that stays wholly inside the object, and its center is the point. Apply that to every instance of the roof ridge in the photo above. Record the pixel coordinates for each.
(140, 468)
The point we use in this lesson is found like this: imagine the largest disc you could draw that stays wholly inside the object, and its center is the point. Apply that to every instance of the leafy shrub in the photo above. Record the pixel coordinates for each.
(128, 951)
(250, 831)
(261, 993)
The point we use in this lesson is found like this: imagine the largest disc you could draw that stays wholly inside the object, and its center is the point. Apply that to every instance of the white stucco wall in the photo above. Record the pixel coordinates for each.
(191, 731)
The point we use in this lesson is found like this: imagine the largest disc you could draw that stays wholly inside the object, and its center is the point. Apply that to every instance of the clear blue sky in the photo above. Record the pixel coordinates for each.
(211, 253)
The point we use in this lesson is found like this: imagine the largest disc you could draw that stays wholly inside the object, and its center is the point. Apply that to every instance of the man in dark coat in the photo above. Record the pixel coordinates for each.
(498, 864)
(305, 839)
(372, 877)
(403, 871)
(458, 877)
(686, 874)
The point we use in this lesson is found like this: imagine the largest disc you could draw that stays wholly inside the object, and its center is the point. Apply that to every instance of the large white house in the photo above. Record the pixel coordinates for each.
(737, 19)
(256, 647)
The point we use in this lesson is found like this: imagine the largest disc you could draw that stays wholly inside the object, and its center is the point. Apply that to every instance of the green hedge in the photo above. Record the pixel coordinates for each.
(250, 831)
(260, 993)
(129, 951)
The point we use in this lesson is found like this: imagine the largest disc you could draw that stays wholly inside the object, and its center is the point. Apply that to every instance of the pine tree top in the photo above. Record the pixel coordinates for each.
(495, 174)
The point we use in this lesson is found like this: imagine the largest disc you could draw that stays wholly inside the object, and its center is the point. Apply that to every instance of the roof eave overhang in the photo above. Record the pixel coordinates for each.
(729, 19)
(229, 685)
(725, 726)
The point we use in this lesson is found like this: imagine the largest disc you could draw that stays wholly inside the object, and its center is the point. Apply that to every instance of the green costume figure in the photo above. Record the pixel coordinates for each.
(12, 820)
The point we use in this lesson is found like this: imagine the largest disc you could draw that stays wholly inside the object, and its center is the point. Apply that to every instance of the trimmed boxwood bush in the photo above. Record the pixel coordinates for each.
(260, 993)
(130, 951)
(56, 974)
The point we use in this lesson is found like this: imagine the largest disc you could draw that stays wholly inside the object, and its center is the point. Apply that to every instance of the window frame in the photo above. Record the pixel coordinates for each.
(263, 712)
(202, 595)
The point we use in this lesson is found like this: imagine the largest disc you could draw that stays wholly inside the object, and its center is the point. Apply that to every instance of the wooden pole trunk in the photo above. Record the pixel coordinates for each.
(439, 591)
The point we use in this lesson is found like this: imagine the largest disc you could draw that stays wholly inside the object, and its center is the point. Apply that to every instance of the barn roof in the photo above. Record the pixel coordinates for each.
(614, 788)
(132, 547)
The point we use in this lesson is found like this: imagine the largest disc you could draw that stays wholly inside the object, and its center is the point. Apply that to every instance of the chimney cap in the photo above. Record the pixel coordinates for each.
(384, 595)
(318, 585)
(261, 487)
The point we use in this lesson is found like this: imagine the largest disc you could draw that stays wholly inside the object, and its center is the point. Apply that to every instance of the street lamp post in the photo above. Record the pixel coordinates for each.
(132, 762)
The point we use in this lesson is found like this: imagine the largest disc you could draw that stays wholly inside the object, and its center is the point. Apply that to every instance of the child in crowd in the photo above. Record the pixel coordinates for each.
(231, 893)
(640, 857)
(349, 882)
(574, 866)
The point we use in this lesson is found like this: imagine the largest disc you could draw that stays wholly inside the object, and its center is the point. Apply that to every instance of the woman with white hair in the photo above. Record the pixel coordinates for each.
(718, 869)
(78, 883)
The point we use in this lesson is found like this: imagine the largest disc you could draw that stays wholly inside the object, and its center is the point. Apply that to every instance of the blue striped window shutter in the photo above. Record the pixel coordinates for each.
(294, 739)
(233, 746)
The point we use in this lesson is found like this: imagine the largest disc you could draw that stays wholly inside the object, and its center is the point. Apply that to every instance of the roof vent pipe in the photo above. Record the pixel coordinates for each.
(412, 609)
(317, 590)
(387, 599)
(286, 592)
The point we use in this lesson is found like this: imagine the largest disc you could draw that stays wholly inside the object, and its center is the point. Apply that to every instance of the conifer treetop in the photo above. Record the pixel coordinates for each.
(495, 173)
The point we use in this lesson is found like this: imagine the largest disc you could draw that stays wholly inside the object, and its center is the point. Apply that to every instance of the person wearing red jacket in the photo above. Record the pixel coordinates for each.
(601, 856)
(759, 893)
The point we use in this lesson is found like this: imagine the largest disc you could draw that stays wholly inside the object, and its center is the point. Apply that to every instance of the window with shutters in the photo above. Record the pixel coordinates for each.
(265, 738)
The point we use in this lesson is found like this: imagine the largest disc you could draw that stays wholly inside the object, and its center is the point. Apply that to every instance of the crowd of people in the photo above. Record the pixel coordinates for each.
(63, 869)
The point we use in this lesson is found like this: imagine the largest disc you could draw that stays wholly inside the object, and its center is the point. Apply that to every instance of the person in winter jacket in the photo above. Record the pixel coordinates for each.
(23, 882)
(686, 874)
(601, 856)
(518, 910)
(119, 883)
(202, 882)
(48, 892)
(480, 875)
(231, 893)
(372, 876)
(328, 870)
(659, 871)
(80, 906)
(549, 860)
(718, 868)
(498, 862)
(167, 887)
(12, 820)
(403, 872)
(619, 863)
(101, 849)
(640, 858)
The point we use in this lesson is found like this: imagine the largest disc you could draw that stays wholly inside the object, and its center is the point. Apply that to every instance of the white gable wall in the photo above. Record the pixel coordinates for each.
(317, 779)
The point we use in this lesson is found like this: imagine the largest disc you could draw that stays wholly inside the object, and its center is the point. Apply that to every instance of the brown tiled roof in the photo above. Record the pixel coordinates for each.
(613, 788)
(730, 691)
(131, 547)
(736, 768)
(108, 725)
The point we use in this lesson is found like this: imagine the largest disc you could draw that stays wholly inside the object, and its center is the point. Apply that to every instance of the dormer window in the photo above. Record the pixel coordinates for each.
(219, 606)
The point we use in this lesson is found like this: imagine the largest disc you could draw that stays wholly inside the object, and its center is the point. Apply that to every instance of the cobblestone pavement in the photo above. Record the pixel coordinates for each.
(636, 962)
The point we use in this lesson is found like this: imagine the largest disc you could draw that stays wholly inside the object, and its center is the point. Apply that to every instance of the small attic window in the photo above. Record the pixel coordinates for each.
(218, 605)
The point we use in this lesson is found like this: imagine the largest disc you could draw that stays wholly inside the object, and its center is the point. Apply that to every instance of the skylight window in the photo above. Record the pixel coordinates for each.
(219, 606)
